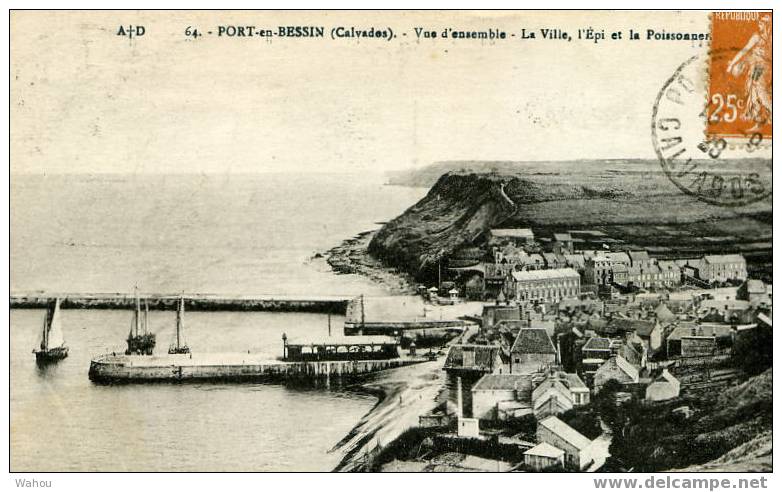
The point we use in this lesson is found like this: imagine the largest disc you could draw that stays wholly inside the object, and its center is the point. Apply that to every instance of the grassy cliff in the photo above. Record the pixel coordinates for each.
(628, 203)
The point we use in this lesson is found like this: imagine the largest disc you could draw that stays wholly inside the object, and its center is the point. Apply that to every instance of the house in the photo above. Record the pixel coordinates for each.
(468, 363)
(719, 268)
(575, 261)
(499, 396)
(545, 285)
(756, 292)
(563, 243)
(596, 348)
(558, 393)
(495, 280)
(518, 237)
(640, 259)
(594, 353)
(551, 397)
(663, 314)
(493, 314)
(544, 456)
(554, 260)
(634, 351)
(663, 387)
(578, 449)
(601, 268)
(535, 261)
(670, 273)
(616, 368)
(695, 340)
(724, 310)
(651, 334)
(622, 327)
(483, 359)
(532, 350)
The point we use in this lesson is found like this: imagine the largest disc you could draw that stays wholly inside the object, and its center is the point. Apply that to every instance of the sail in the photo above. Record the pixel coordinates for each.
(55, 338)
(44, 329)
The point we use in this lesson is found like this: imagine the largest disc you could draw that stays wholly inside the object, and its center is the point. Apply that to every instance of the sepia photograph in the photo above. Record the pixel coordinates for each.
(391, 241)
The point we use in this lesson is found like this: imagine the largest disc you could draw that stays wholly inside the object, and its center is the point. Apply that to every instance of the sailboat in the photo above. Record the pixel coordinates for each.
(52, 346)
(180, 347)
(140, 340)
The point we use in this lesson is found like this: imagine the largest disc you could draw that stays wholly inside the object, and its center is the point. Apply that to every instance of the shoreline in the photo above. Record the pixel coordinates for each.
(403, 394)
(351, 257)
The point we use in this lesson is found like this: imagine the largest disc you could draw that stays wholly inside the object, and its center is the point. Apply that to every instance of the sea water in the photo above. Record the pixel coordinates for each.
(224, 234)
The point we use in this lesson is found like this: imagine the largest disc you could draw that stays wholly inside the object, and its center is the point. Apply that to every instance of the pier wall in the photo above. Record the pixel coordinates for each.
(313, 371)
(336, 305)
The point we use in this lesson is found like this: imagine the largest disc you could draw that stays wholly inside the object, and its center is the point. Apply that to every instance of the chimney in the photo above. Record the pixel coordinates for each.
(459, 397)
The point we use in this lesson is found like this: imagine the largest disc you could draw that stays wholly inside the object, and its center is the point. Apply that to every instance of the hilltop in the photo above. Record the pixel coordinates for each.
(631, 203)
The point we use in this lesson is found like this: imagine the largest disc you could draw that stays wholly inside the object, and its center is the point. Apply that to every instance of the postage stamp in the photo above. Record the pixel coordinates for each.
(740, 73)
(711, 121)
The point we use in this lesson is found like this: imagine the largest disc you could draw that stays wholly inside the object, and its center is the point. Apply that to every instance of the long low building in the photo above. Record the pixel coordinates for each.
(341, 348)
(546, 285)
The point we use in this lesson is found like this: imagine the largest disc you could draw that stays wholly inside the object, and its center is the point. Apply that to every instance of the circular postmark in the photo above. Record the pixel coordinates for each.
(706, 166)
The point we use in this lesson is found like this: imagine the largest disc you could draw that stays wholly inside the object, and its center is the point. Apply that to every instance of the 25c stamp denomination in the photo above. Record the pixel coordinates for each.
(712, 117)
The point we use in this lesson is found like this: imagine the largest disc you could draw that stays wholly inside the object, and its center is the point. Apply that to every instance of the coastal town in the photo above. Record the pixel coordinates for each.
(556, 338)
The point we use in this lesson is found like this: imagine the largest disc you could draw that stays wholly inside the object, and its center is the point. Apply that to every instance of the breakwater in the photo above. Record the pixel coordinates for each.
(193, 302)
(230, 367)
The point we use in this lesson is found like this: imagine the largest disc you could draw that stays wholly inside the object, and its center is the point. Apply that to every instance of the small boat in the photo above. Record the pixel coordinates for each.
(140, 340)
(52, 346)
(180, 347)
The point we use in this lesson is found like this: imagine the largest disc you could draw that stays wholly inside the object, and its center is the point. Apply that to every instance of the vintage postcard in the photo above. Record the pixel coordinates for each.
(391, 241)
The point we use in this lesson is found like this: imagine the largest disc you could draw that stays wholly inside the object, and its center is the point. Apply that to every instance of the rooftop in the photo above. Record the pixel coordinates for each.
(663, 313)
(344, 340)
(638, 255)
(597, 343)
(704, 330)
(523, 233)
(569, 434)
(533, 341)
(624, 366)
(553, 273)
(484, 357)
(545, 449)
(724, 259)
(501, 382)
(640, 326)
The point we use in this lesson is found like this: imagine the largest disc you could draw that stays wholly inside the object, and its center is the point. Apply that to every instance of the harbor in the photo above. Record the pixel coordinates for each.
(310, 360)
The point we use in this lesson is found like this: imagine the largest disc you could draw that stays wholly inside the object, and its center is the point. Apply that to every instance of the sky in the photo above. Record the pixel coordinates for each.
(84, 100)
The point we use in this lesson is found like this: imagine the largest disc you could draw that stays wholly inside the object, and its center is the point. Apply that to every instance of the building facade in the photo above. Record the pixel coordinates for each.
(545, 285)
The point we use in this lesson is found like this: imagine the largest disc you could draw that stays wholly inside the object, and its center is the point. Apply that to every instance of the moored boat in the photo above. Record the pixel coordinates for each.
(52, 345)
(140, 340)
(180, 346)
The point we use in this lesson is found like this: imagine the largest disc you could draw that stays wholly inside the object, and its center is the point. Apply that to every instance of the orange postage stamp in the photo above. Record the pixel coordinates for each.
(739, 98)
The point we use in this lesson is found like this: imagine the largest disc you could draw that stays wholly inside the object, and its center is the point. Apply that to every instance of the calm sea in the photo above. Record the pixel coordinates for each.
(198, 233)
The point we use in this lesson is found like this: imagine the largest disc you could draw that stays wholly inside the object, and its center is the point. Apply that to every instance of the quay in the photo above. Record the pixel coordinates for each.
(231, 367)
(193, 302)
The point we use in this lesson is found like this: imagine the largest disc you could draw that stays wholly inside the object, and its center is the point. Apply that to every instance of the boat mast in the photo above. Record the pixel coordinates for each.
(146, 316)
(138, 310)
(180, 318)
